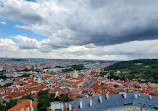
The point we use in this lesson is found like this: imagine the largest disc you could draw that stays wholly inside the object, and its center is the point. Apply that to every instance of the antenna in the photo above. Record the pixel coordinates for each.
(6, 52)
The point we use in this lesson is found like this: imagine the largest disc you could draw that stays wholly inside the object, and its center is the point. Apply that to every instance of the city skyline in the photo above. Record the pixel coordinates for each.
(90, 29)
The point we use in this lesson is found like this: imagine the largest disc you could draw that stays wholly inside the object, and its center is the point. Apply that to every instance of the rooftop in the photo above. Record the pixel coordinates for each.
(105, 102)
(25, 104)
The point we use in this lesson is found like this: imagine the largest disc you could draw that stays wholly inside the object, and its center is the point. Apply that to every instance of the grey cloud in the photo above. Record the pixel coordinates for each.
(27, 47)
(31, 18)
(17, 12)
(98, 22)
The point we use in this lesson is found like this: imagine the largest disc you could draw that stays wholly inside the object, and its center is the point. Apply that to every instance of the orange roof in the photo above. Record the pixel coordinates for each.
(24, 105)
(76, 90)
(66, 109)
(153, 84)
(95, 94)
(70, 81)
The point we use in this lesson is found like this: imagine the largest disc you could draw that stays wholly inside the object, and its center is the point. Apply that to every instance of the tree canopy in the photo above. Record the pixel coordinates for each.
(44, 99)
(74, 67)
(142, 69)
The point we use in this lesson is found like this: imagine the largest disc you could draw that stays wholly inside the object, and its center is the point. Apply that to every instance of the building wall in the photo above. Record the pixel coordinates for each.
(130, 108)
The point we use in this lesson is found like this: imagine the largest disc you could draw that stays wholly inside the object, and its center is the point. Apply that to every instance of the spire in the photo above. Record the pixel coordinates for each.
(75, 74)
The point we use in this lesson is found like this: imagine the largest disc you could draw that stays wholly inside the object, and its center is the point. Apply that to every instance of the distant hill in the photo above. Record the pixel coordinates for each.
(143, 70)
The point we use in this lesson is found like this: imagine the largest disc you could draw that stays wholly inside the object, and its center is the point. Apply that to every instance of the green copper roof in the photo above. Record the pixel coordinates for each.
(75, 73)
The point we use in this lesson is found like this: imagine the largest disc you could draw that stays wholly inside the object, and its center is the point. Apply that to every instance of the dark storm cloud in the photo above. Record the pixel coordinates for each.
(99, 22)
(149, 33)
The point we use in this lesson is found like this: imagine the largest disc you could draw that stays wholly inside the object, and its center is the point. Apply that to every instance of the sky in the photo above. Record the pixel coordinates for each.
(79, 29)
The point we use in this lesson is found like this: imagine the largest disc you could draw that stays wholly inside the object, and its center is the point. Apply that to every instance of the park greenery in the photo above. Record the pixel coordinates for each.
(143, 70)
(2, 76)
(25, 75)
(6, 85)
(4, 106)
(29, 96)
(44, 99)
(74, 67)
(25, 70)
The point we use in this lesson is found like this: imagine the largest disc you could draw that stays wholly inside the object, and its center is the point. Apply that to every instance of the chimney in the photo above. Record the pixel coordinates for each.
(28, 109)
(80, 103)
(124, 95)
(62, 108)
(150, 97)
(136, 96)
(32, 109)
(91, 102)
(22, 109)
(70, 107)
(100, 99)
(107, 96)
(30, 103)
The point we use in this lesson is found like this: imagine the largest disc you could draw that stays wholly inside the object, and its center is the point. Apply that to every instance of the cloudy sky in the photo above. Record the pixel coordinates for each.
(79, 29)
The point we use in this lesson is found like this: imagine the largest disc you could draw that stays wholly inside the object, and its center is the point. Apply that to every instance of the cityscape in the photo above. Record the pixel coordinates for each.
(23, 79)
(78, 55)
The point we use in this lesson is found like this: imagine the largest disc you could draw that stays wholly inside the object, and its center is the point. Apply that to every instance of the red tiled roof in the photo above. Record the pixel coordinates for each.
(24, 105)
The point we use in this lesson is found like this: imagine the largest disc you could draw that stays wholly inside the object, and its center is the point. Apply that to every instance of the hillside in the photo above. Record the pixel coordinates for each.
(143, 70)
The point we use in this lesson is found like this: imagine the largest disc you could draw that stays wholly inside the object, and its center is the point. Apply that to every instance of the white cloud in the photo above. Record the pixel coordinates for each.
(131, 50)
(27, 43)
(7, 44)
(4, 23)
(84, 22)
(88, 29)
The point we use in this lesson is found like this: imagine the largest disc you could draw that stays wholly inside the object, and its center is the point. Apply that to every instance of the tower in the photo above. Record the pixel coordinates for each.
(39, 79)
(75, 74)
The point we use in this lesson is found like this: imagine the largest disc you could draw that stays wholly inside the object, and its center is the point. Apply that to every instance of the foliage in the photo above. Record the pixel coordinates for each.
(21, 84)
(67, 70)
(40, 93)
(137, 86)
(58, 66)
(115, 85)
(26, 69)
(6, 85)
(77, 67)
(103, 73)
(64, 98)
(28, 97)
(142, 69)
(11, 103)
(74, 67)
(44, 99)
(2, 76)
(2, 107)
(25, 75)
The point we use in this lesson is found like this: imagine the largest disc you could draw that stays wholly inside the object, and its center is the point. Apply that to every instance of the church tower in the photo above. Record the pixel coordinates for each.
(75, 74)
(39, 79)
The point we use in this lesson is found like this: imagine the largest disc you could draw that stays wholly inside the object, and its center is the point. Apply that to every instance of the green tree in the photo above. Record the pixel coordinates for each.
(11, 103)
(64, 98)
(28, 97)
(3, 76)
(52, 97)
(25, 75)
(43, 100)
(6, 85)
(2, 107)
(115, 85)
